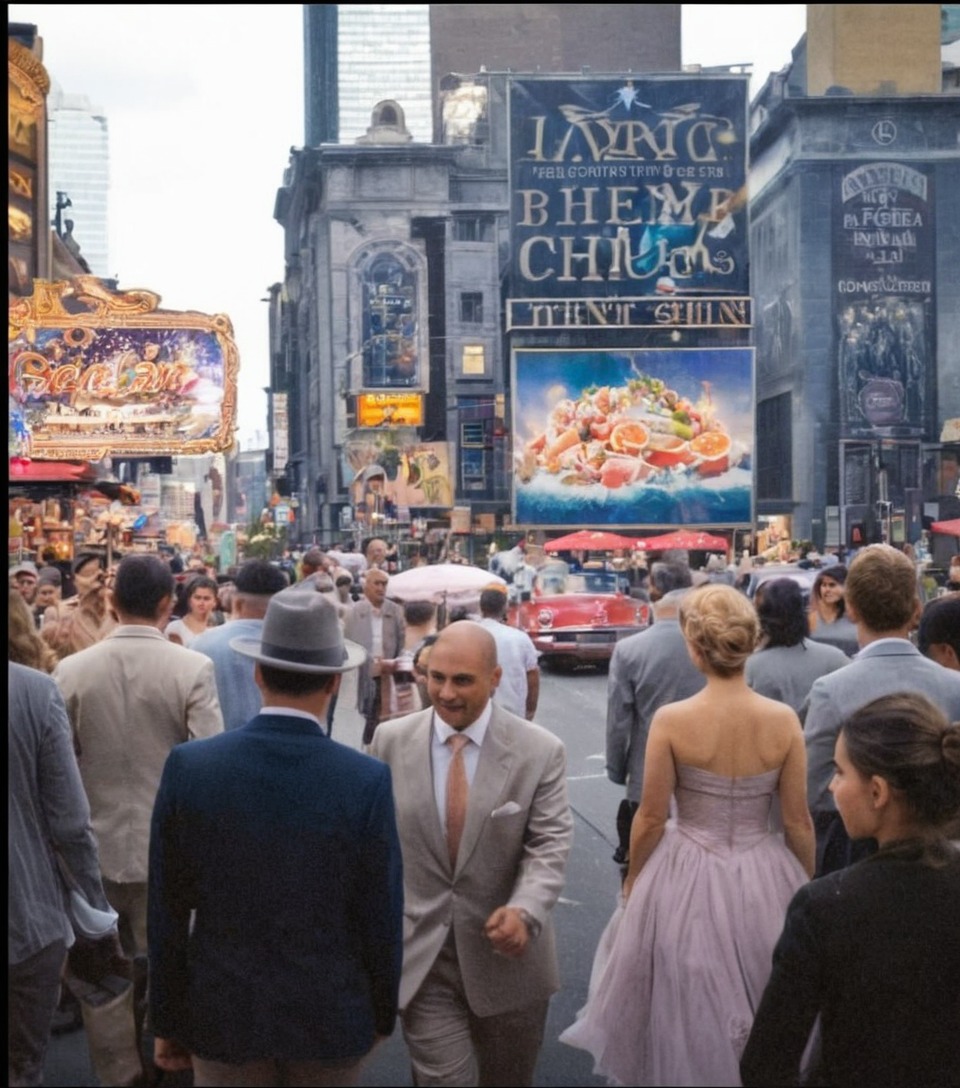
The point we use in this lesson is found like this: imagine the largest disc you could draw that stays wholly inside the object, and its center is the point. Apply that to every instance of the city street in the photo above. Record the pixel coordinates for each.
(572, 705)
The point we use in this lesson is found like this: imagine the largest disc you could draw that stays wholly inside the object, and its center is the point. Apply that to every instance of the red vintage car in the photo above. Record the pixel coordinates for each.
(577, 618)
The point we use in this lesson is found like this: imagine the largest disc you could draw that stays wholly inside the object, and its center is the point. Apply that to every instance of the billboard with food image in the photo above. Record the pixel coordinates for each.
(651, 437)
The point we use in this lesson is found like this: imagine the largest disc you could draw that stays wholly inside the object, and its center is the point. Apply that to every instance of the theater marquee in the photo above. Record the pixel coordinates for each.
(95, 372)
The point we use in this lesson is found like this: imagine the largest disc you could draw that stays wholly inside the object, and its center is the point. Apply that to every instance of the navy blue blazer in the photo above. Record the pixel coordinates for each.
(284, 844)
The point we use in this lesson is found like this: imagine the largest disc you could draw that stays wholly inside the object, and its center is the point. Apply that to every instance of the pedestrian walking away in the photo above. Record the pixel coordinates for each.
(276, 901)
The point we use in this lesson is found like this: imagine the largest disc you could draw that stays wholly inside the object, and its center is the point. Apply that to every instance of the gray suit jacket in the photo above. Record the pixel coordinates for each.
(647, 671)
(358, 626)
(786, 673)
(882, 668)
(46, 810)
(513, 853)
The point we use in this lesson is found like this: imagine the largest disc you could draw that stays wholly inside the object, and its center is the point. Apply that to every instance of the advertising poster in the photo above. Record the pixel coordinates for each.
(645, 438)
(883, 262)
(628, 187)
(393, 470)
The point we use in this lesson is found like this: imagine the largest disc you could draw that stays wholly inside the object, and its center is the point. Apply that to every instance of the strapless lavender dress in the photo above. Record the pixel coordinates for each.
(680, 968)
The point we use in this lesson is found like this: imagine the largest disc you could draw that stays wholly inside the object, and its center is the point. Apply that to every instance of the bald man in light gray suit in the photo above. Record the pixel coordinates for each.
(479, 959)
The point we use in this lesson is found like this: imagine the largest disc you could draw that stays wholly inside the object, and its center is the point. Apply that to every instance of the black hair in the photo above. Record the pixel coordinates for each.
(289, 682)
(779, 604)
(419, 612)
(260, 578)
(493, 603)
(141, 583)
(940, 622)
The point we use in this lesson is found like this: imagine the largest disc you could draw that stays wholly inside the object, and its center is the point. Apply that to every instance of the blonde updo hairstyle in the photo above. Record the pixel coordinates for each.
(721, 625)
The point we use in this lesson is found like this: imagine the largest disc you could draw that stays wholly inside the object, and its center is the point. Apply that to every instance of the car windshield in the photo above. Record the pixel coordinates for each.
(589, 581)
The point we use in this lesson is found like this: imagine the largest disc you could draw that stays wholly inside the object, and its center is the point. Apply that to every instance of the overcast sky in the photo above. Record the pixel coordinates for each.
(203, 104)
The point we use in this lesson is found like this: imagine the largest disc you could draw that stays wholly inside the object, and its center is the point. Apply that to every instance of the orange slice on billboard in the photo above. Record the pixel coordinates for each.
(711, 445)
(665, 450)
(629, 437)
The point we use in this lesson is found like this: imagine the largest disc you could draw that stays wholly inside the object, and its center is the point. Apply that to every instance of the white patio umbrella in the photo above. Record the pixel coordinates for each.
(453, 583)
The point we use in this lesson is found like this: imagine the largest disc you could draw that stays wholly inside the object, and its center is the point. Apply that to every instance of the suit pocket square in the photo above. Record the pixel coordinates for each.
(511, 808)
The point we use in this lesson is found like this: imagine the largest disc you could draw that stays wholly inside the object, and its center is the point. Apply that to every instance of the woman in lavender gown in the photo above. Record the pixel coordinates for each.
(683, 963)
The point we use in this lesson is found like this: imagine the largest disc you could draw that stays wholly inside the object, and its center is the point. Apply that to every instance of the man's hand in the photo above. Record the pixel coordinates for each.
(506, 930)
(170, 1056)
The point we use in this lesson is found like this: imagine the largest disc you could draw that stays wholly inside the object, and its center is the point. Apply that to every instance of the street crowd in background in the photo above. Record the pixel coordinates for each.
(789, 834)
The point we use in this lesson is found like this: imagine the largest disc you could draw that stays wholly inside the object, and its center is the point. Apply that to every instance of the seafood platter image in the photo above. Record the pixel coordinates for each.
(646, 437)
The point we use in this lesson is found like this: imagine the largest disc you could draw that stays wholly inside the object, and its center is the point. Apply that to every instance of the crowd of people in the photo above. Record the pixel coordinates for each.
(186, 836)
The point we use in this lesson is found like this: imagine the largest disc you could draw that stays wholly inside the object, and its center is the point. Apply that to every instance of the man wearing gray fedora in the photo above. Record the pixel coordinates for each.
(276, 901)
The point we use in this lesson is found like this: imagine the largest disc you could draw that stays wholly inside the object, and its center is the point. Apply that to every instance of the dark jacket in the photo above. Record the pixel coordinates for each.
(875, 950)
(284, 843)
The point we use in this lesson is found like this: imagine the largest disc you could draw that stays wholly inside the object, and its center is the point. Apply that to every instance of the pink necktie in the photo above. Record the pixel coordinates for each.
(456, 795)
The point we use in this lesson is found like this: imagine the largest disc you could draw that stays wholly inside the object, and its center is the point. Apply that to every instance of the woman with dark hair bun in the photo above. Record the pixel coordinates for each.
(874, 949)
(786, 663)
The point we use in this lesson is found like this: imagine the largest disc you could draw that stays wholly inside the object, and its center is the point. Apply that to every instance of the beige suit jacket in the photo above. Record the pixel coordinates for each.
(513, 853)
(130, 699)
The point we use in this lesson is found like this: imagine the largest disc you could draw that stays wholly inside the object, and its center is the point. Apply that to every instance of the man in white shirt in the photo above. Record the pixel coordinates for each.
(519, 687)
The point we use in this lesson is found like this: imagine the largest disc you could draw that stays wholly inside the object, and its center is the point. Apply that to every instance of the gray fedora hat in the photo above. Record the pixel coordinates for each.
(301, 633)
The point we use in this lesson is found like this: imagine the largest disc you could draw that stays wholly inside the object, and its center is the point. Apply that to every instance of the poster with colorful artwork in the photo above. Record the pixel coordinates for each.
(645, 438)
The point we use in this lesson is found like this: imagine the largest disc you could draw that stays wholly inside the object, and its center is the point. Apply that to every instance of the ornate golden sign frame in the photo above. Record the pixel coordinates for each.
(95, 372)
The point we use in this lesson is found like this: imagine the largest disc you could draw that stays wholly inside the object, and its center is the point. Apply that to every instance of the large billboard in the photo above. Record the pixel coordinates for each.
(94, 372)
(646, 438)
(630, 188)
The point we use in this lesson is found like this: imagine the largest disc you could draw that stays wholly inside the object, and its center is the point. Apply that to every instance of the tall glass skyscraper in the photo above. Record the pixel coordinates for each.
(79, 165)
(356, 56)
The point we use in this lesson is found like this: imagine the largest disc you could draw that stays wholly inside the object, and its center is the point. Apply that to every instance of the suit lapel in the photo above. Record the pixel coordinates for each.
(416, 763)
(493, 769)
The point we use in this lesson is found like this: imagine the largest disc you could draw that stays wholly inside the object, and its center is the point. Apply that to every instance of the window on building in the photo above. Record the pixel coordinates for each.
(472, 228)
(471, 307)
(473, 470)
(775, 448)
(473, 361)
(390, 331)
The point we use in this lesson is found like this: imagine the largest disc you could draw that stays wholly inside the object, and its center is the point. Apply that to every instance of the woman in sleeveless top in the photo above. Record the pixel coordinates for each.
(683, 963)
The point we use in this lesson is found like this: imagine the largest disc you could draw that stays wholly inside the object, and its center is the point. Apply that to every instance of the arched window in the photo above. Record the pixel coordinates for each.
(391, 354)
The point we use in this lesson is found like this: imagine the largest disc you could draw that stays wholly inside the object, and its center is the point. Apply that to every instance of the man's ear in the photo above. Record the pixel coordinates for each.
(850, 611)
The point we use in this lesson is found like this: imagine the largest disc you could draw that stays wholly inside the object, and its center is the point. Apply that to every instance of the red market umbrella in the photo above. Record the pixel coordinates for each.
(688, 539)
(948, 528)
(587, 540)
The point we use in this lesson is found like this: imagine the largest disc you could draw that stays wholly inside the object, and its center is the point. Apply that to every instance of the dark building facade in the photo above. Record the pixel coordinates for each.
(855, 232)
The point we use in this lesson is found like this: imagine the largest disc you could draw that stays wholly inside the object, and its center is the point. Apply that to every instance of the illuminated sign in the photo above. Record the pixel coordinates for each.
(389, 410)
(95, 372)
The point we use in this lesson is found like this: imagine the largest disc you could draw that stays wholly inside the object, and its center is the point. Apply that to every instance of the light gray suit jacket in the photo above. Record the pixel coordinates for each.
(130, 699)
(513, 853)
(881, 668)
(646, 671)
(358, 626)
(787, 673)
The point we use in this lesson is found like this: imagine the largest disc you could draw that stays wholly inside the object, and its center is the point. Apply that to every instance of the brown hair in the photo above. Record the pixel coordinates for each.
(908, 741)
(721, 624)
(24, 644)
(881, 588)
